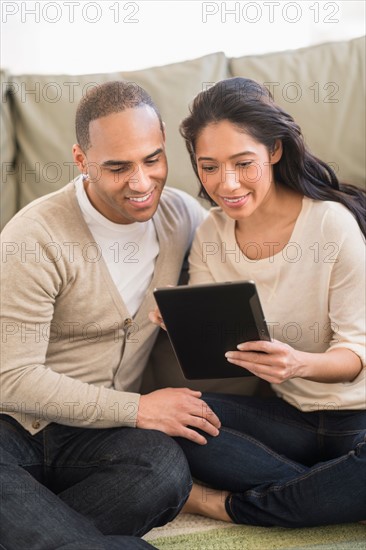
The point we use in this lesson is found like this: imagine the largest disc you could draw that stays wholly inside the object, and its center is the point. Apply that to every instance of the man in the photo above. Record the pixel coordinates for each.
(79, 267)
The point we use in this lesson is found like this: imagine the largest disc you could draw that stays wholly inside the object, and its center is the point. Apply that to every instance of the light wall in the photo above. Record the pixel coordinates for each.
(81, 37)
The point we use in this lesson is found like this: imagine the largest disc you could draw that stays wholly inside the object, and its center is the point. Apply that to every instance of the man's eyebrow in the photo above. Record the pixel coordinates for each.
(242, 153)
(129, 162)
(157, 152)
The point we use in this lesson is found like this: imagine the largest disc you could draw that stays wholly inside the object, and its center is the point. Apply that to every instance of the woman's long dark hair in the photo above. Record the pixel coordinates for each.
(251, 108)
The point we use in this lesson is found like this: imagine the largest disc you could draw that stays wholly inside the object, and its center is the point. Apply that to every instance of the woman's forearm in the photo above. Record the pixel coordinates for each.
(338, 365)
(277, 362)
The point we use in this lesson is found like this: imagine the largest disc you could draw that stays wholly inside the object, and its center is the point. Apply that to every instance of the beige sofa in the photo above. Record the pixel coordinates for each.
(322, 86)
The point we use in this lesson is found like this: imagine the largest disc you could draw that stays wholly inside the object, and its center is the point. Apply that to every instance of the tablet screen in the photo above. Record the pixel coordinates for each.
(207, 320)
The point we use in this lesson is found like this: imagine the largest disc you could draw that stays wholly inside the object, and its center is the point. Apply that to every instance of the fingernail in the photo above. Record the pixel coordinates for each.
(228, 354)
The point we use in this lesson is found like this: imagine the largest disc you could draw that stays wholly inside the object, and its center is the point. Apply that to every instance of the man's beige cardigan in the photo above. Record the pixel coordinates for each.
(70, 351)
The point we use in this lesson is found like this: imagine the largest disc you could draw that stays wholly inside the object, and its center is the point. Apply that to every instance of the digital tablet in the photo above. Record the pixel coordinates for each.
(205, 321)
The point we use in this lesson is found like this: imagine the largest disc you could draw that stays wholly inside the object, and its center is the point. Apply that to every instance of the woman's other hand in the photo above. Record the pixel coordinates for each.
(156, 318)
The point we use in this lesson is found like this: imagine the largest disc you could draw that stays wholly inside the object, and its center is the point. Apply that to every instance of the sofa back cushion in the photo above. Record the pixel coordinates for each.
(45, 106)
(9, 187)
(323, 88)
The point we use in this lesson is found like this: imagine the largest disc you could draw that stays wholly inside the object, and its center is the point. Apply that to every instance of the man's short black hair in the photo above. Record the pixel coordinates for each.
(105, 99)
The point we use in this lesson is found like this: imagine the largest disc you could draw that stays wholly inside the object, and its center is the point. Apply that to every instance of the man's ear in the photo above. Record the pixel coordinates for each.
(79, 158)
(276, 152)
(164, 131)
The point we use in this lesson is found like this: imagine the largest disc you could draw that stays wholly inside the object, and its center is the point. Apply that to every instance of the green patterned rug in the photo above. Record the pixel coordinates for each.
(240, 537)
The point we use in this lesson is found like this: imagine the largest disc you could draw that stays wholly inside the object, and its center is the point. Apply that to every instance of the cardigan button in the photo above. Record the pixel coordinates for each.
(36, 424)
(127, 323)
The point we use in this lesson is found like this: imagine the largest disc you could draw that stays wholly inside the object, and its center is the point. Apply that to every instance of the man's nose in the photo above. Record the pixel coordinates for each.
(140, 181)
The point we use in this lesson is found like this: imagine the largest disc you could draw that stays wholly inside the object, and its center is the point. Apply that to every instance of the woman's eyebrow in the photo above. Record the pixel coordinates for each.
(232, 156)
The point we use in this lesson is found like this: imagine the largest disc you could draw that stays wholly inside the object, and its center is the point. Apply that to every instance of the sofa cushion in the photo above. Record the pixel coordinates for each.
(323, 88)
(45, 109)
(9, 188)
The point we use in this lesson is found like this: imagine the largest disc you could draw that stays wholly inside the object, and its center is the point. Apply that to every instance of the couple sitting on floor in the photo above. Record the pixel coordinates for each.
(85, 458)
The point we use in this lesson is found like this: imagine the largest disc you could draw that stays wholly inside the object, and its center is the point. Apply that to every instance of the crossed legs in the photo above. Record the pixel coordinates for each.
(274, 465)
(90, 489)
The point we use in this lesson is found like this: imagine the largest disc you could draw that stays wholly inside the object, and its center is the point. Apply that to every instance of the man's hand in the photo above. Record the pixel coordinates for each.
(175, 411)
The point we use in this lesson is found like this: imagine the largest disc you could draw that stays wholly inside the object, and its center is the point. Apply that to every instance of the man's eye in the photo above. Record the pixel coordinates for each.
(120, 169)
(152, 161)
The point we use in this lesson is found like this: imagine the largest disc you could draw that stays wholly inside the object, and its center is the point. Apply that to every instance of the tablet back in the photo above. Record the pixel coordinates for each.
(205, 321)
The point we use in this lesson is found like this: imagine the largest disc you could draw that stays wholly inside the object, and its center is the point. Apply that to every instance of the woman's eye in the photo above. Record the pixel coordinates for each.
(209, 169)
(244, 164)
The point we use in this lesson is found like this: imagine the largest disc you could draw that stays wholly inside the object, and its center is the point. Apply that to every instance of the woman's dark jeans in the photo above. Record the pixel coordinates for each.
(284, 467)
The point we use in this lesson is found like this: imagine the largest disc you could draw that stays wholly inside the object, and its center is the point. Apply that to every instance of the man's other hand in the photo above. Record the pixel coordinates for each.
(175, 411)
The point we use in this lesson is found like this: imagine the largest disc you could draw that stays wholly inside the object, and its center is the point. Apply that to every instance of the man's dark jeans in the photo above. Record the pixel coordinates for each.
(87, 489)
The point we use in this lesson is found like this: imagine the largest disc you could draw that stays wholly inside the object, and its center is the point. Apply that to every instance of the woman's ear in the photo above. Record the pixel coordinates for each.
(276, 152)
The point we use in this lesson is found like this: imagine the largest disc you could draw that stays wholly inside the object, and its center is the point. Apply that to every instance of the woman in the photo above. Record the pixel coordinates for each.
(283, 220)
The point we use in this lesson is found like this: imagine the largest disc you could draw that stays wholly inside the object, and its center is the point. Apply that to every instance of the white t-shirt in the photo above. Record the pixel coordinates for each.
(312, 292)
(129, 250)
